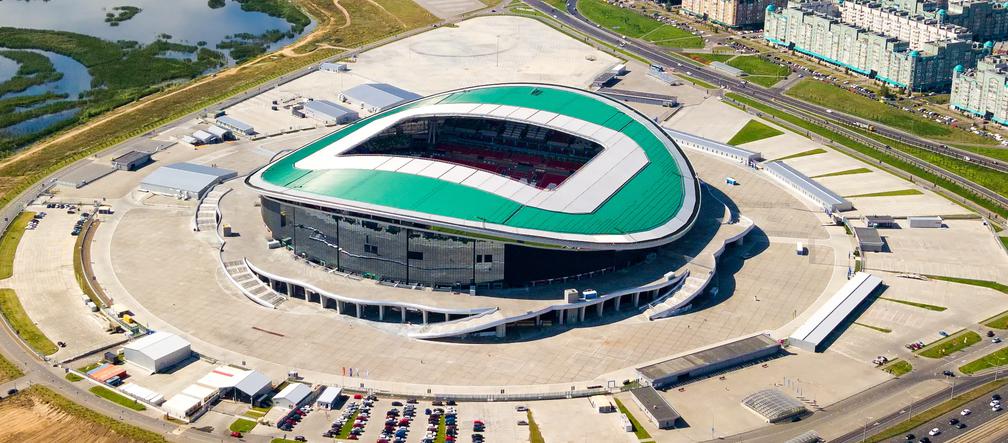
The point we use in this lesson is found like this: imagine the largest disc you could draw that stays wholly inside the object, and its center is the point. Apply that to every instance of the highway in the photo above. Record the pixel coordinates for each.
(836, 121)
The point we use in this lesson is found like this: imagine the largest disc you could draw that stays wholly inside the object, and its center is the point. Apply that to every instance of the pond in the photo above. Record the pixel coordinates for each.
(187, 21)
(39, 123)
(75, 81)
(7, 68)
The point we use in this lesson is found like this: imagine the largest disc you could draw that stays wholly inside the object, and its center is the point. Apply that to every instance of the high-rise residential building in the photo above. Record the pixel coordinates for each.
(910, 52)
(983, 91)
(732, 13)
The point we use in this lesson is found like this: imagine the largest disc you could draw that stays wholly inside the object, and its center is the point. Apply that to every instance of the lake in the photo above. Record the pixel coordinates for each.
(8, 68)
(187, 21)
(76, 78)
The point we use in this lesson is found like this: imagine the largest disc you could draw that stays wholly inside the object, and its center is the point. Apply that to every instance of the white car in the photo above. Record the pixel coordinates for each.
(996, 408)
(965, 412)
(994, 403)
(934, 432)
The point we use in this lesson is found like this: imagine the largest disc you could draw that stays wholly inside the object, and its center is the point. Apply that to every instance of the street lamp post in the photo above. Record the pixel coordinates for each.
(864, 432)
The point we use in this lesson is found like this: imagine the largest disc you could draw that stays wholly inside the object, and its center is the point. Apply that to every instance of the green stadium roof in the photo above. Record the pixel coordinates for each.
(655, 205)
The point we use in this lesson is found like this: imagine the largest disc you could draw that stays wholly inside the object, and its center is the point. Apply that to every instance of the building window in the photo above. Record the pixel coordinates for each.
(414, 255)
(371, 249)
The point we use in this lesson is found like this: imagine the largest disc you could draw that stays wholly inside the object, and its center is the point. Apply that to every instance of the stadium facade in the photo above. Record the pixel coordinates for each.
(497, 185)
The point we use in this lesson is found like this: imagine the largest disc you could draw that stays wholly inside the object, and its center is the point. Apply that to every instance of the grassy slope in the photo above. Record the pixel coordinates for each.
(752, 131)
(117, 398)
(762, 72)
(629, 23)
(22, 325)
(837, 98)
(9, 243)
(62, 404)
(639, 430)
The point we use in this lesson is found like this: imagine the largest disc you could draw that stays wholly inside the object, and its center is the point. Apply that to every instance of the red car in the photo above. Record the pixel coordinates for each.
(357, 396)
(236, 434)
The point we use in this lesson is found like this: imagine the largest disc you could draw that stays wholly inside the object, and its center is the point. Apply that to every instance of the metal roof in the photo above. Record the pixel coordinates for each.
(867, 236)
(158, 344)
(774, 405)
(329, 395)
(379, 95)
(293, 392)
(821, 193)
(825, 319)
(328, 109)
(235, 123)
(685, 138)
(656, 202)
(659, 409)
(692, 362)
(218, 131)
(131, 157)
(248, 381)
(186, 177)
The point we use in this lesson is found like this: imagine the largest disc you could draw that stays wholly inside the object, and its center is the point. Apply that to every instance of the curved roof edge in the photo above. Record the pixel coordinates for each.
(674, 228)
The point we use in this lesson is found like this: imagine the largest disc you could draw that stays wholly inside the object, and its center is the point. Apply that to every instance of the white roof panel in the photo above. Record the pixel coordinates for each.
(436, 169)
(415, 166)
(393, 163)
(458, 174)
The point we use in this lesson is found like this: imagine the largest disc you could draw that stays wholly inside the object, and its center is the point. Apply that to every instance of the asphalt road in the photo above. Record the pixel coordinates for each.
(574, 20)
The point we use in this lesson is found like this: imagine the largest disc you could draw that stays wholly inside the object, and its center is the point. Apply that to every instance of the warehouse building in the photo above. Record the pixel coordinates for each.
(879, 221)
(235, 125)
(709, 360)
(329, 399)
(655, 408)
(292, 396)
(873, 48)
(328, 112)
(238, 384)
(184, 180)
(982, 92)
(182, 407)
(131, 161)
(157, 352)
(808, 187)
(868, 239)
(205, 138)
(377, 97)
(747, 14)
(333, 67)
(221, 133)
(812, 335)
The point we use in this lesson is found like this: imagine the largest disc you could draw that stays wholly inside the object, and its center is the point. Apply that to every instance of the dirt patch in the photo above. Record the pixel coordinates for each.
(38, 414)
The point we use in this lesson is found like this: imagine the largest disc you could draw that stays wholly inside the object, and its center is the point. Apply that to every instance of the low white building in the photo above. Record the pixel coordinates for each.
(181, 407)
(291, 396)
(329, 398)
(157, 351)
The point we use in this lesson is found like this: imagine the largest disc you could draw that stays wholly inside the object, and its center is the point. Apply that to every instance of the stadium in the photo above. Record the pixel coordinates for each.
(490, 186)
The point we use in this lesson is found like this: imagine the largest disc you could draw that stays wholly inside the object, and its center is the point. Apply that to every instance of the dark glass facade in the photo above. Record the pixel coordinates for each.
(401, 251)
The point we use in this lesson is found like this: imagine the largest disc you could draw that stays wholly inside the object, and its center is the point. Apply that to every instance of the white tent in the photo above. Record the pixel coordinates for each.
(181, 406)
(291, 396)
(157, 351)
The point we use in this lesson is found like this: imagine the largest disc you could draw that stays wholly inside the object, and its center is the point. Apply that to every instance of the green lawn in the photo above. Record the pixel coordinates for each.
(9, 243)
(70, 376)
(898, 367)
(707, 58)
(945, 407)
(877, 328)
(559, 5)
(915, 304)
(762, 72)
(847, 172)
(895, 193)
(629, 23)
(348, 426)
(994, 359)
(968, 281)
(639, 430)
(535, 435)
(999, 321)
(15, 314)
(815, 151)
(117, 398)
(672, 37)
(951, 344)
(441, 430)
(242, 425)
(1004, 241)
(8, 371)
(842, 100)
(752, 131)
